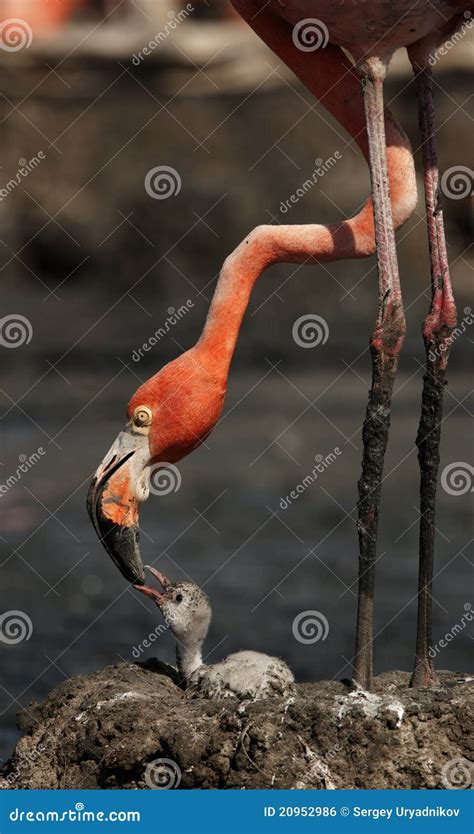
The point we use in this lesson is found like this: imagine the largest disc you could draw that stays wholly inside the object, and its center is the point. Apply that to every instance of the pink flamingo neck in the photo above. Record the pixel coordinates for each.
(331, 77)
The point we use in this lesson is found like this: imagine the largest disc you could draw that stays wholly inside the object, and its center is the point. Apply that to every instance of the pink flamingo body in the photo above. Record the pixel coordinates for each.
(174, 411)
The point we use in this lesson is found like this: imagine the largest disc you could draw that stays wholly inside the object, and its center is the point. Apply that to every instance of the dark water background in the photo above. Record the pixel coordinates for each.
(112, 286)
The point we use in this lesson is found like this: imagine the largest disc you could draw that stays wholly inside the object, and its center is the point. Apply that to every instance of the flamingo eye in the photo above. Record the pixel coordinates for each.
(142, 416)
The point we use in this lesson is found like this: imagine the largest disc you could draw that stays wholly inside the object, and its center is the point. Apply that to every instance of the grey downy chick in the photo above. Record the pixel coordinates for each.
(245, 675)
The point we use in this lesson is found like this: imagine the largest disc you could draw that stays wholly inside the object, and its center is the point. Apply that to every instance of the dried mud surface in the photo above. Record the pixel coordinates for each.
(102, 730)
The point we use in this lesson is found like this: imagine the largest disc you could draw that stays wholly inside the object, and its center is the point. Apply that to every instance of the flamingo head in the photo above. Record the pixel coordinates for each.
(185, 607)
(167, 417)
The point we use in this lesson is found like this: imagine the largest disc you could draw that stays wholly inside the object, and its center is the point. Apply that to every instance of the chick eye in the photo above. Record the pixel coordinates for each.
(178, 597)
(142, 416)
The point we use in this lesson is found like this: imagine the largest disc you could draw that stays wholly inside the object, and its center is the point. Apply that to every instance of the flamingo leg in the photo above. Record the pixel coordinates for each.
(330, 76)
(385, 345)
(437, 328)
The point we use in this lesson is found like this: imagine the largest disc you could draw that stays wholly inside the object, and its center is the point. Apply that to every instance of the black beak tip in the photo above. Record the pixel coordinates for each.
(120, 542)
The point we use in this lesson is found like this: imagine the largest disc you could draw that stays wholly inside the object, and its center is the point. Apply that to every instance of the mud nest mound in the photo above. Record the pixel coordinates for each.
(113, 728)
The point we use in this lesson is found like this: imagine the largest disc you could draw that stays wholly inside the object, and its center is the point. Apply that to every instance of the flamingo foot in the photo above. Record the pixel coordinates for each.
(424, 673)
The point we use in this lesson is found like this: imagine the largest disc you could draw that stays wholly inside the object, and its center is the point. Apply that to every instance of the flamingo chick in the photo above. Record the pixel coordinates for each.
(244, 675)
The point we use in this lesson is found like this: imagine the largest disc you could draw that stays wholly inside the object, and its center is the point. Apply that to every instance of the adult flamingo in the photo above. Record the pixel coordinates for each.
(174, 411)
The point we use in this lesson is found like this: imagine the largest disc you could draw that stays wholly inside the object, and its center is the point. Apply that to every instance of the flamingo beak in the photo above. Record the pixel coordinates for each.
(156, 596)
(118, 487)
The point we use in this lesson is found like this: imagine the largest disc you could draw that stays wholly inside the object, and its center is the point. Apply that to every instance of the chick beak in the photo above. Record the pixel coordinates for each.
(153, 593)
